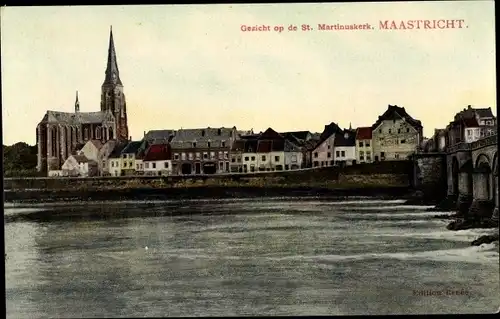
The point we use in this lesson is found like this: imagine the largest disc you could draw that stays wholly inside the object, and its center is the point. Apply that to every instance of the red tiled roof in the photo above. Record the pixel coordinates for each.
(270, 134)
(364, 133)
(470, 122)
(264, 146)
(158, 152)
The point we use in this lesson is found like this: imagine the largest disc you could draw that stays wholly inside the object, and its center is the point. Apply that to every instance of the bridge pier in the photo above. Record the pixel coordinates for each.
(494, 216)
(482, 206)
(465, 193)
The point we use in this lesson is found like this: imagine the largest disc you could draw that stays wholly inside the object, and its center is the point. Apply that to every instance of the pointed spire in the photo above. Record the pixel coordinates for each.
(112, 73)
(350, 126)
(77, 103)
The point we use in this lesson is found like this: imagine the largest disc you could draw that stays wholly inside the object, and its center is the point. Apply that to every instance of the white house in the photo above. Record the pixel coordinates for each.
(345, 148)
(364, 148)
(249, 156)
(114, 161)
(79, 165)
(158, 160)
(322, 154)
(395, 135)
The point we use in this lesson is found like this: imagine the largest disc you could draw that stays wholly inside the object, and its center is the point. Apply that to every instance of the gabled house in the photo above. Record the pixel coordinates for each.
(158, 160)
(115, 159)
(159, 136)
(79, 165)
(103, 155)
(128, 157)
(345, 148)
(395, 135)
(236, 156)
(249, 155)
(364, 149)
(322, 154)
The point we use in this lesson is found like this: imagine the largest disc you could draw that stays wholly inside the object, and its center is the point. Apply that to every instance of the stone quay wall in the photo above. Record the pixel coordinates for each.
(374, 175)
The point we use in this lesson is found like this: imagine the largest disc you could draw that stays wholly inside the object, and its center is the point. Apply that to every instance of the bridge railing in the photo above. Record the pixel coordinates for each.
(485, 141)
(464, 147)
(460, 147)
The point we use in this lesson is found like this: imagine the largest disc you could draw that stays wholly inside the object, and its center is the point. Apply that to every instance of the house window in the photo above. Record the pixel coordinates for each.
(98, 133)
(361, 155)
(198, 155)
(153, 165)
(337, 153)
(253, 158)
(183, 156)
(226, 155)
(141, 166)
(407, 130)
(396, 156)
(233, 160)
(124, 155)
(146, 165)
(389, 131)
(382, 155)
(202, 132)
(263, 157)
(276, 158)
(328, 154)
(380, 131)
(137, 166)
(223, 143)
(194, 144)
(402, 141)
(165, 164)
(208, 144)
(249, 150)
(367, 144)
(176, 156)
(399, 130)
(246, 158)
(112, 164)
(342, 153)
(212, 155)
(190, 156)
(205, 155)
(360, 143)
(315, 154)
(294, 158)
(328, 146)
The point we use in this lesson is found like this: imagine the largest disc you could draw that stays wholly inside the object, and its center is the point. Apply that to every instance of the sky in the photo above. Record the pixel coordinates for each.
(191, 66)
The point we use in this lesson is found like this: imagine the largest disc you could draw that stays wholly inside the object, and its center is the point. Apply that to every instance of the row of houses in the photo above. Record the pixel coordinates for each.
(394, 136)
(468, 125)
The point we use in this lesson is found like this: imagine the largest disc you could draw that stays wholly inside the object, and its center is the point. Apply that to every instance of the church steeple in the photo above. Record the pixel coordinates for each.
(77, 103)
(112, 73)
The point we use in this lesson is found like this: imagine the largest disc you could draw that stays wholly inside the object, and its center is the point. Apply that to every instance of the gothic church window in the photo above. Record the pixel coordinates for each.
(86, 133)
(98, 133)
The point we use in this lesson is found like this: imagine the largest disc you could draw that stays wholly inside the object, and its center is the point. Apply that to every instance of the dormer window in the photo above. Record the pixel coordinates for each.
(223, 143)
(202, 132)
(194, 144)
(208, 144)
(218, 132)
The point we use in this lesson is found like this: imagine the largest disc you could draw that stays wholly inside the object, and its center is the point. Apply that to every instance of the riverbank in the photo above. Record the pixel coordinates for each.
(200, 192)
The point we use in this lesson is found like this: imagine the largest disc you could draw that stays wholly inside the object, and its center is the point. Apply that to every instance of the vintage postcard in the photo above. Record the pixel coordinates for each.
(250, 159)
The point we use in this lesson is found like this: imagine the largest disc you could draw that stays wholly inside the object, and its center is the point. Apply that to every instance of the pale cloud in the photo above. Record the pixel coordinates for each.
(191, 66)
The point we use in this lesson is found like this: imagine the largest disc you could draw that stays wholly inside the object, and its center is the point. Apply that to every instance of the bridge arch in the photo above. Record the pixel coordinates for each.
(483, 167)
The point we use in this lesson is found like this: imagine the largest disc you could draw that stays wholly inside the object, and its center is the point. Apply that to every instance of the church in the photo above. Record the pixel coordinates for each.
(59, 134)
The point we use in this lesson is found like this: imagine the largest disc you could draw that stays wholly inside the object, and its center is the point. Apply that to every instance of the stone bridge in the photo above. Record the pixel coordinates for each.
(472, 173)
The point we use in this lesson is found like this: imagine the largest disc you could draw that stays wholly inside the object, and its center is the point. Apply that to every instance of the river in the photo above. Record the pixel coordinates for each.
(278, 256)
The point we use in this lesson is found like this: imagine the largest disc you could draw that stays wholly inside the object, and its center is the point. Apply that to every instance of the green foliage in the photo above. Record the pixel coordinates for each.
(19, 160)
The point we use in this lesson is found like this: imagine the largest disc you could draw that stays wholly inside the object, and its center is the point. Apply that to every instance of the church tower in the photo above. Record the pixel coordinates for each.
(112, 97)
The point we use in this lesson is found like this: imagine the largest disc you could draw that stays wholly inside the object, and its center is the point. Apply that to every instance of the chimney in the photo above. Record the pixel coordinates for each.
(130, 138)
(468, 107)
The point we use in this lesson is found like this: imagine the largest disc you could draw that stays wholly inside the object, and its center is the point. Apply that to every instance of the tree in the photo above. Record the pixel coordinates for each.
(19, 159)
